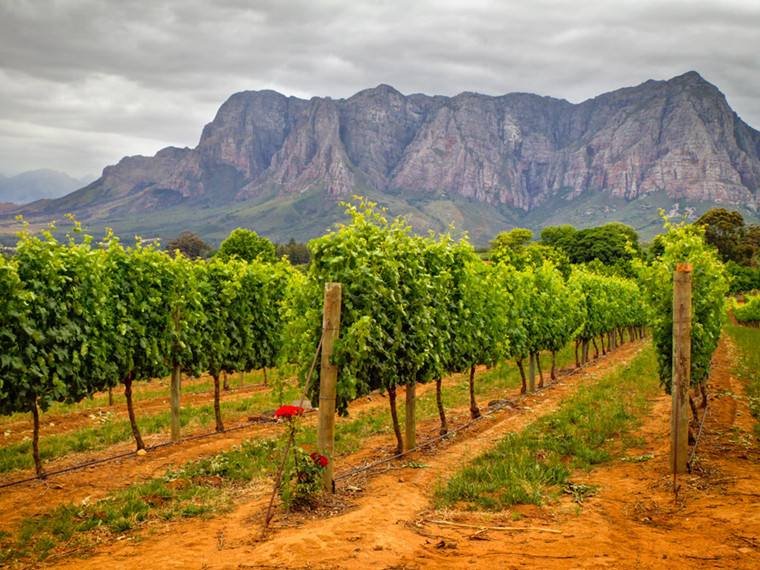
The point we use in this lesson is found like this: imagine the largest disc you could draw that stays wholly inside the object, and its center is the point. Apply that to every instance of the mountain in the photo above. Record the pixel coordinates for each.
(38, 184)
(280, 164)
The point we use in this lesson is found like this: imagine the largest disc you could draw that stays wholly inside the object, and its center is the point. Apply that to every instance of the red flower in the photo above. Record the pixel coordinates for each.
(288, 411)
(320, 460)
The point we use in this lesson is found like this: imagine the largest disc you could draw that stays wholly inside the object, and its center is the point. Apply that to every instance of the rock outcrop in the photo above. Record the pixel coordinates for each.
(520, 150)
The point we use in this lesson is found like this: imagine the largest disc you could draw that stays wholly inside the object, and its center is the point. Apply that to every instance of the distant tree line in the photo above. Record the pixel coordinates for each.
(609, 249)
(242, 244)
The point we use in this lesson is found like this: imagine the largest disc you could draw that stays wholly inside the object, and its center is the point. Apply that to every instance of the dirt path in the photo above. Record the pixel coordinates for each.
(370, 532)
(97, 481)
(634, 521)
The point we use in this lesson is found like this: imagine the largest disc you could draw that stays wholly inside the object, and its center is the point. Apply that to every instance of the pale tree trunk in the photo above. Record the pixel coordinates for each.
(577, 358)
(175, 401)
(554, 366)
(540, 372)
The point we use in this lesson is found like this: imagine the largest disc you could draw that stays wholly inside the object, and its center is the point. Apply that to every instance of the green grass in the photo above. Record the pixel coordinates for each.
(747, 367)
(200, 488)
(18, 455)
(528, 466)
(154, 389)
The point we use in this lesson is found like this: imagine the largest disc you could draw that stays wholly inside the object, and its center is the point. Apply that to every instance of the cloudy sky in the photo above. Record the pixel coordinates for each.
(85, 82)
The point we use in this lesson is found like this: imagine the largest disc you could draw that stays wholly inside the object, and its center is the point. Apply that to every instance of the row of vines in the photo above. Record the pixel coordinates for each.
(80, 317)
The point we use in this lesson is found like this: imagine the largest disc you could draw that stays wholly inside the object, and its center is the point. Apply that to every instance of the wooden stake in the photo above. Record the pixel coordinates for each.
(679, 425)
(328, 379)
(175, 394)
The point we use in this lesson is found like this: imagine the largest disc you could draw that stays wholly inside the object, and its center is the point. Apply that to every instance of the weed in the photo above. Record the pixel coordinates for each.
(524, 467)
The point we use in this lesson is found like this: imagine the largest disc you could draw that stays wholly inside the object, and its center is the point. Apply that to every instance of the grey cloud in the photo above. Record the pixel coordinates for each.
(96, 80)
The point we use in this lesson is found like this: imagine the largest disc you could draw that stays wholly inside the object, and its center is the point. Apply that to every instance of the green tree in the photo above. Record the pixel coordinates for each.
(388, 324)
(297, 253)
(509, 245)
(190, 245)
(561, 237)
(247, 245)
(724, 230)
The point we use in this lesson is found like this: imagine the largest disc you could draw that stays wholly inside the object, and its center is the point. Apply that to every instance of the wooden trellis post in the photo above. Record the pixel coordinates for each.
(679, 425)
(328, 378)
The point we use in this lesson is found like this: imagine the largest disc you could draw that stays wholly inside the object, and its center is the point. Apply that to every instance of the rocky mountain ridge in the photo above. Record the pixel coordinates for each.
(517, 151)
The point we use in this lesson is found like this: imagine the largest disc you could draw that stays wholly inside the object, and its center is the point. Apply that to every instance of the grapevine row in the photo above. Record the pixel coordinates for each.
(80, 317)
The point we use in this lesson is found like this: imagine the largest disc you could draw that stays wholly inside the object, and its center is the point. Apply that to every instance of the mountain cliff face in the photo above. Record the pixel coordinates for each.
(520, 151)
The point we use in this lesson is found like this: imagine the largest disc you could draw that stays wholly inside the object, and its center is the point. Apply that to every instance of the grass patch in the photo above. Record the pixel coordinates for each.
(747, 366)
(148, 390)
(200, 488)
(528, 466)
(19, 455)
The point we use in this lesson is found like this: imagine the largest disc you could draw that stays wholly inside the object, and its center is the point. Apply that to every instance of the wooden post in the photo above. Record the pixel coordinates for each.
(679, 425)
(328, 378)
(175, 394)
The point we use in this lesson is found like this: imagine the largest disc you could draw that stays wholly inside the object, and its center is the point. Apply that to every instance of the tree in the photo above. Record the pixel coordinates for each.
(724, 230)
(509, 245)
(297, 253)
(560, 237)
(14, 326)
(190, 245)
(248, 246)
(743, 278)
(515, 247)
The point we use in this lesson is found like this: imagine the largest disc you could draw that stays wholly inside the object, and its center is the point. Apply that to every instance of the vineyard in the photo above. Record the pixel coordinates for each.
(141, 388)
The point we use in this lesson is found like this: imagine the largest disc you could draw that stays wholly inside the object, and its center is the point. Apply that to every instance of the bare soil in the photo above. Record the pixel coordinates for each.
(377, 519)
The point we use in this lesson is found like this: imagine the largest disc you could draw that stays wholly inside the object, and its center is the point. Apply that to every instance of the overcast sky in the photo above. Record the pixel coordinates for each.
(85, 82)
